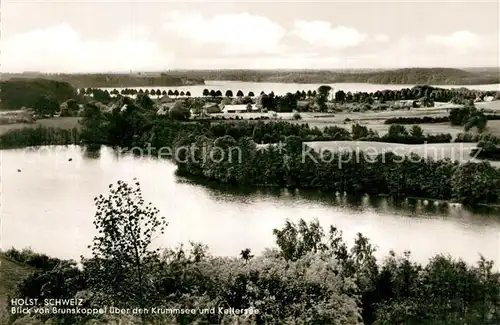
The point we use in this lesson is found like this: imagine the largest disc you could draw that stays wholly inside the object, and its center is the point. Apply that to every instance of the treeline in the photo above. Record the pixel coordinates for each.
(39, 136)
(417, 120)
(311, 276)
(471, 183)
(353, 172)
(429, 76)
(29, 93)
(108, 126)
(430, 119)
(114, 79)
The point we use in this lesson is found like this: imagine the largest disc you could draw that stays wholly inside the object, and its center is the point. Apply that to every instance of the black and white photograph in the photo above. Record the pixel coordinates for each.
(249, 162)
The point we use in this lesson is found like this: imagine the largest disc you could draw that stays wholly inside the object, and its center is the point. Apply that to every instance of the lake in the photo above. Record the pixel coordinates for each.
(283, 88)
(48, 206)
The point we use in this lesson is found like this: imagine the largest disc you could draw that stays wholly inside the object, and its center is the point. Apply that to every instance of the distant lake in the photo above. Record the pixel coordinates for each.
(49, 207)
(283, 88)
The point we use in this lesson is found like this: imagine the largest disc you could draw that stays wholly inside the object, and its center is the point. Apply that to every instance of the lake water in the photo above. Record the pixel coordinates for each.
(48, 206)
(283, 88)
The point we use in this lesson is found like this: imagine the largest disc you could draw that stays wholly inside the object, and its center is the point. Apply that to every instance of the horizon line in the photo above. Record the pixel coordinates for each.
(249, 69)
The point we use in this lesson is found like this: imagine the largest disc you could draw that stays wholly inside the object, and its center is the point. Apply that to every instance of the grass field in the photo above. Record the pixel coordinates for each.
(55, 122)
(455, 151)
(11, 273)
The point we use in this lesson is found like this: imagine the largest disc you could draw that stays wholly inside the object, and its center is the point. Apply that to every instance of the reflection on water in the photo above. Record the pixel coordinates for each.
(49, 206)
(410, 207)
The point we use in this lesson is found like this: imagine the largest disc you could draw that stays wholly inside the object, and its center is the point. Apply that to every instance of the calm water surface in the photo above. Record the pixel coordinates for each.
(48, 206)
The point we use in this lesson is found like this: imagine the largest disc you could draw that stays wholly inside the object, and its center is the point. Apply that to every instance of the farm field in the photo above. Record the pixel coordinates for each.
(55, 122)
(454, 151)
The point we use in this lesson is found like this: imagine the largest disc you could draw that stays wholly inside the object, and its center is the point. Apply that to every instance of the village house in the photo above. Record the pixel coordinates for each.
(242, 108)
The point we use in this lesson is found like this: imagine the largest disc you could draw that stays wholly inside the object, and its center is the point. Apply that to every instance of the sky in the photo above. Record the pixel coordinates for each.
(119, 36)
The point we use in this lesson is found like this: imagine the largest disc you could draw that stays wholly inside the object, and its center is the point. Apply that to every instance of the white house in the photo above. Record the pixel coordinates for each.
(240, 108)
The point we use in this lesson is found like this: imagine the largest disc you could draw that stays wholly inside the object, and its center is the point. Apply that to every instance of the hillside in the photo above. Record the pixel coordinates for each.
(434, 76)
(114, 80)
(11, 273)
(20, 92)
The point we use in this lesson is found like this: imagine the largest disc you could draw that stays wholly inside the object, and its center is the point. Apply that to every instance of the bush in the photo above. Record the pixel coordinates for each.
(179, 113)
(417, 120)
(296, 116)
(28, 257)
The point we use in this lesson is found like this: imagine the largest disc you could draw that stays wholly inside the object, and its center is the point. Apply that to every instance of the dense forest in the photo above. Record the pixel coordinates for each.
(18, 93)
(114, 79)
(416, 76)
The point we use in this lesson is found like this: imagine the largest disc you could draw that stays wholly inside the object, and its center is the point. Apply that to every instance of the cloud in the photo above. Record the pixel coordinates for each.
(381, 38)
(61, 49)
(234, 33)
(462, 41)
(321, 33)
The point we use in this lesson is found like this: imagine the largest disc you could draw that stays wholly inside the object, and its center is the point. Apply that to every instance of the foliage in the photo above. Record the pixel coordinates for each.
(39, 136)
(31, 258)
(312, 277)
(104, 80)
(122, 257)
(45, 106)
(179, 112)
(475, 183)
(417, 120)
(17, 93)
(420, 76)
(323, 95)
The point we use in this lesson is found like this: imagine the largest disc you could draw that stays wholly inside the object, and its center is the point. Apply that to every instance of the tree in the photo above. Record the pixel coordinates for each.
(176, 93)
(251, 94)
(213, 93)
(144, 101)
(206, 92)
(182, 93)
(122, 256)
(417, 131)
(246, 254)
(287, 103)
(229, 93)
(477, 119)
(164, 92)
(239, 93)
(188, 93)
(46, 106)
(475, 183)
(218, 93)
(70, 108)
(170, 92)
(396, 130)
(322, 97)
(158, 92)
(340, 96)
(179, 112)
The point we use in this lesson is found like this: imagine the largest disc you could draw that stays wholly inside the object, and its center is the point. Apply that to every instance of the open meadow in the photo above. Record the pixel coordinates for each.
(455, 151)
(54, 122)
